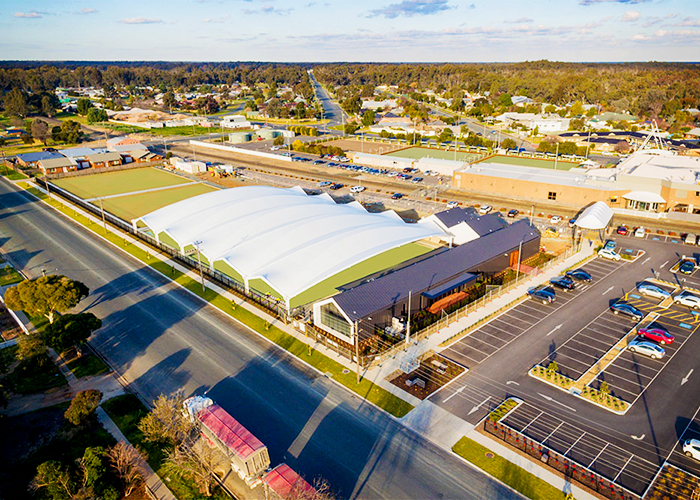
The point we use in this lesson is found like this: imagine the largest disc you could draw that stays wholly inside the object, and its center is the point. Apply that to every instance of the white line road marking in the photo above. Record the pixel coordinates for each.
(531, 421)
(623, 468)
(599, 454)
(555, 329)
(685, 379)
(575, 442)
(555, 430)
(512, 382)
(454, 394)
(662, 265)
(638, 438)
(609, 289)
(479, 405)
(646, 260)
(548, 398)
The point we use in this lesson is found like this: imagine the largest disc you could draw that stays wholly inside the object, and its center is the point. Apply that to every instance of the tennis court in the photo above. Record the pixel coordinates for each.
(132, 206)
(418, 153)
(529, 162)
(123, 181)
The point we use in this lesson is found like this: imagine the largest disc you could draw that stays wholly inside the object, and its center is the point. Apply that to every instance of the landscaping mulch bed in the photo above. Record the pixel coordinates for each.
(673, 483)
(433, 375)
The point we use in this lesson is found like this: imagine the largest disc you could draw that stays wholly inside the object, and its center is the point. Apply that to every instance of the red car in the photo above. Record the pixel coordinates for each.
(656, 334)
(622, 230)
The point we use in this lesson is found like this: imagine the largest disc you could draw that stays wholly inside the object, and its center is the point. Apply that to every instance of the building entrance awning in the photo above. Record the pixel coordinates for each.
(595, 217)
(644, 197)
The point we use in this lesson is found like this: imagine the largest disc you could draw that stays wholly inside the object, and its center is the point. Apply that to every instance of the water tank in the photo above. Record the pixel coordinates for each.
(267, 133)
(239, 137)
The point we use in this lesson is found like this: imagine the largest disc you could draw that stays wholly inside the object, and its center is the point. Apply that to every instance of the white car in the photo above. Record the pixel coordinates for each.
(686, 298)
(606, 253)
(485, 209)
(556, 219)
(639, 232)
(647, 348)
(691, 448)
(357, 189)
(653, 291)
(274, 148)
(452, 204)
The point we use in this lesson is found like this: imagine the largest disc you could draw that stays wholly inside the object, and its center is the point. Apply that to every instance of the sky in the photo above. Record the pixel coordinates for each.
(356, 30)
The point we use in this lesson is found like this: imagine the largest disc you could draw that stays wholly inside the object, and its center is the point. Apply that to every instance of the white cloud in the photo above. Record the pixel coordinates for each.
(631, 15)
(221, 19)
(520, 20)
(594, 2)
(140, 20)
(28, 15)
(86, 10)
(660, 33)
(410, 8)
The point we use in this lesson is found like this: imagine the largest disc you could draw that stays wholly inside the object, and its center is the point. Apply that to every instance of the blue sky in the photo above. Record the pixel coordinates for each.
(359, 30)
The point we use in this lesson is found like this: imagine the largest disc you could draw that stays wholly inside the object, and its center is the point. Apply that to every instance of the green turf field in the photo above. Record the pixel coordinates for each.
(124, 181)
(530, 162)
(136, 205)
(418, 153)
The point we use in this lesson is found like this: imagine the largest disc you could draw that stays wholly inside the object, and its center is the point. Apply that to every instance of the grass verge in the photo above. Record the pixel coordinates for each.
(37, 374)
(502, 409)
(88, 365)
(9, 276)
(11, 173)
(507, 472)
(366, 389)
(126, 412)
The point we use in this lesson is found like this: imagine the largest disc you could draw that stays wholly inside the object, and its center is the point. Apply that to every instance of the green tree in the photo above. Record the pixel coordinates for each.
(446, 135)
(40, 130)
(16, 104)
(550, 108)
(30, 346)
(84, 105)
(69, 330)
(68, 132)
(83, 406)
(368, 118)
(509, 143)
(351, 127)
(93, 468)
(576, 124)
(169, 100)
(55, 478)
(278, 141)
(577, 109)
(352, 105)
(47, 107)
(166, 423)
(46, 296)
(96, 115)
(505, 100)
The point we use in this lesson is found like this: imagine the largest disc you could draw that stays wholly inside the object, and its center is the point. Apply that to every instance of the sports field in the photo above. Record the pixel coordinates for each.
(418, 153)
(124, 181)
(530, 162)
(131, 206)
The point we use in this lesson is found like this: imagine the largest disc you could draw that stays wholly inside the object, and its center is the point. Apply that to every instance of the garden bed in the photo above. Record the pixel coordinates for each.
(433, 373)
(673, 483)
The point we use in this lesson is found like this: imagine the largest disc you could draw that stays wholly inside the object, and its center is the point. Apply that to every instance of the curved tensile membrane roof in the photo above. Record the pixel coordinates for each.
(285, 237)
(597, 216)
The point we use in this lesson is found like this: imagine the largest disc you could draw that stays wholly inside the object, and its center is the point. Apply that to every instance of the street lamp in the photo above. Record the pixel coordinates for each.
(199, 261)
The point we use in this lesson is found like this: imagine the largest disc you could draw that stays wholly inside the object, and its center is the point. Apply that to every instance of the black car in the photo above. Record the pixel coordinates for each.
(627, 310)
(563, 282)
(579, 275)
(396, 196)
(546, 295)
(335, 186)
(687, 267)
(513, 212)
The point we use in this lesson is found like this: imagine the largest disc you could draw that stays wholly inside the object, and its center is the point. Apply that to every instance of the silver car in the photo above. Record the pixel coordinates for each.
(653, 291)
(647, 348)
(686, 298)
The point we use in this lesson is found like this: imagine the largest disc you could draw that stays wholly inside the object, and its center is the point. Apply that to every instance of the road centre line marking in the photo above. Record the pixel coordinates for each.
(596, 458)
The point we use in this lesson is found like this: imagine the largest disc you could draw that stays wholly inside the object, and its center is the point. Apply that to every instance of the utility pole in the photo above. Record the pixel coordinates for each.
(520, 258)
(7, 171)
(357, 350)
(408, 320)
(102, 209)
(556, 157)
(199, 261)
(46, 183)
(588, 142)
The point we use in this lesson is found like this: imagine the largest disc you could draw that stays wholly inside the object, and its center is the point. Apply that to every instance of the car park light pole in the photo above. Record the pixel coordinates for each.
(199, 261)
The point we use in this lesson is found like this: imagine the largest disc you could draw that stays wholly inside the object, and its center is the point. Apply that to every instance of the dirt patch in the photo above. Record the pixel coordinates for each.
(227, 182)
(433, 372)
(364, 146)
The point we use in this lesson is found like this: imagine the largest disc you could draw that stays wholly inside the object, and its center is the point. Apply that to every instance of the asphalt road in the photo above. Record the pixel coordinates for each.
(331, 110)
(656, 422)
(162, 338)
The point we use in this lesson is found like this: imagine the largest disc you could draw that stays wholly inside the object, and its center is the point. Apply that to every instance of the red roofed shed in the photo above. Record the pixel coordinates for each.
(283, 481)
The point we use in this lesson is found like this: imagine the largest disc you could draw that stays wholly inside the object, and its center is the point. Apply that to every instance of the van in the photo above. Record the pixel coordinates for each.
(690, 239)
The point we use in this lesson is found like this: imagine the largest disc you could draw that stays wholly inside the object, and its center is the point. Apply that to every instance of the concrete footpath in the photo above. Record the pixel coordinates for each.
(432, 422)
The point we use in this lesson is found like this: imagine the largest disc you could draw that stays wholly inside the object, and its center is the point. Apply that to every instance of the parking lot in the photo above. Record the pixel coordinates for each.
(588, 447)
(499, 332)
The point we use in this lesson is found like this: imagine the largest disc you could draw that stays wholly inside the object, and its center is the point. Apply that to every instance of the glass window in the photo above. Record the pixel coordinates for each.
(332, 318)
(552, 195)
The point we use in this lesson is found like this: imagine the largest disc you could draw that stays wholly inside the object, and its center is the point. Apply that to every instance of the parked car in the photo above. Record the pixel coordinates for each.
(647, 348)
(324, 184)
(550, 232)
(319, 162)
(654, 291)
(610, 245)
(656, 333)
(687, 267)
(691, 448)
(417, 179)
(608, 254)
(397, 196)
(357, 189)
(335, 186)
(639, 232)
(452, 204)
(556, 219)
(563, 282)
(622, 230)
(689, 239)
(627, 310)
(685, 298)
(485, 209)
(572, 222)
(580, 275)
(513, 212)
(545, 295)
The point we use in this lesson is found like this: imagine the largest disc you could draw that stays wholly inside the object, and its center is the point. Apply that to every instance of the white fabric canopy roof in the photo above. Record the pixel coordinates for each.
(644, 196)
(597, 216)
(290, 240)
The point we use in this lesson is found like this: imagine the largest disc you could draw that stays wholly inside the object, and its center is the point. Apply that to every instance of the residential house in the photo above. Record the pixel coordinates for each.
(79, 155)
(102, 160)
(57, 165)
(30, 160)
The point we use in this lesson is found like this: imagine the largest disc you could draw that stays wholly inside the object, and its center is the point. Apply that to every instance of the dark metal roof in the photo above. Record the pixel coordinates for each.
(481, 224)
(460, 280)
(427, 274)
(39, 155)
